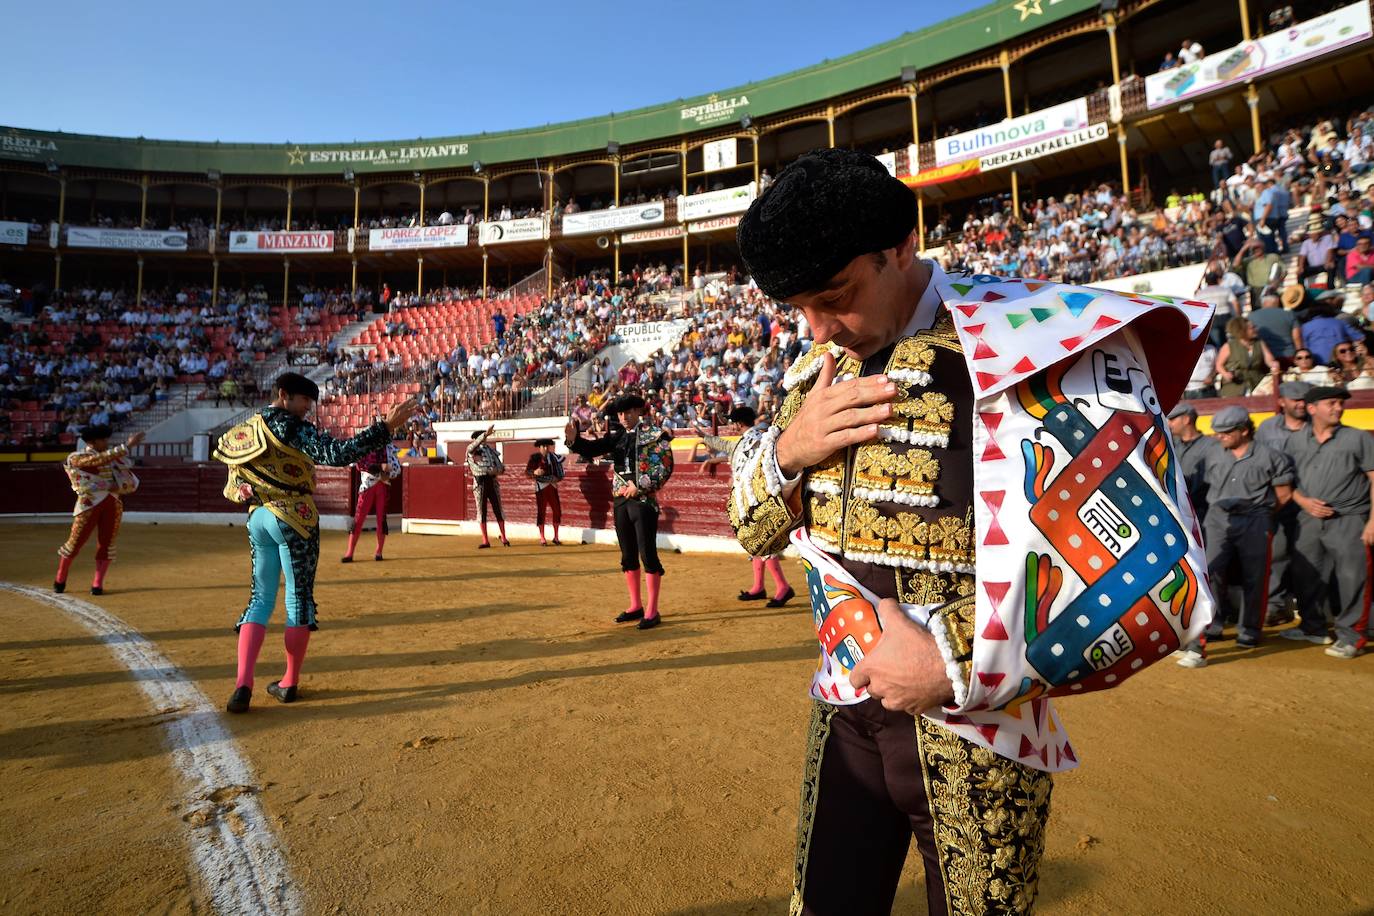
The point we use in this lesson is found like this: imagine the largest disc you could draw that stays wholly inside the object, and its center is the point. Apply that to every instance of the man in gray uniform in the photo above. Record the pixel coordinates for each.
(1246, 482)
(1195, 452)
(1335, 468)
(1277, 432)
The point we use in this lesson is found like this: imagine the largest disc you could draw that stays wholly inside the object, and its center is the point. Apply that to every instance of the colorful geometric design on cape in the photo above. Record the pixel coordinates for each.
(994, 629)
(1071, 343)
(990, 680)
(1016, 319)
(983, 351)
(1043, 314)
(987, 379)
(1033, 287)
(1025, 365)
(996, 591)
(991, 421)
(995, 536)
(962, 288)
(1077, 302)
(1030, 750)
(992, 296)
(1103, 322)
(968, 310)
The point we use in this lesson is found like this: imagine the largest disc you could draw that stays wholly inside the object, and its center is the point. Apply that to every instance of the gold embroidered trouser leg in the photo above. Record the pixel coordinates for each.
(874, 779)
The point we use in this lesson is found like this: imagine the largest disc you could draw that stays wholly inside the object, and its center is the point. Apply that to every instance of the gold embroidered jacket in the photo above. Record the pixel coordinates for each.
(897, 512)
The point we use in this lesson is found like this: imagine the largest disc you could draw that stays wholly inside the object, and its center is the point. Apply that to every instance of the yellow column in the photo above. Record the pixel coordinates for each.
(548, 269)
(686, 273)
(57, 272)
(1109, 18)
(616, 264)
(290, 192)
(138, 295)
(683, 155)
(420, 275)
(486, 199)
(548, 207)
(143, 204)
(1125, 164)
(219, 212)
(421, 183)
(285, 281)
(357, 201)
(1252, 100)
(1006, 94)
(354, 288)
(214, 283)
(755, 138)
(484, 273)
(915, 128)
(830, 124)
(1244, 20)
(615, 181)
(61, 217)
(920, 222)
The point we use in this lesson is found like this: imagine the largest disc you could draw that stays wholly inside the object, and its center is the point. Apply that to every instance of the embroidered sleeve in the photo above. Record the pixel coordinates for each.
(953, 627)
(323, 448)
(763, 505)
(90, 461)
(655, 465)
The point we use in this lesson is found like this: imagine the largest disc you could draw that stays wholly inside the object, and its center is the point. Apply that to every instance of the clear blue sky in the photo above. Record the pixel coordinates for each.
(247, 70)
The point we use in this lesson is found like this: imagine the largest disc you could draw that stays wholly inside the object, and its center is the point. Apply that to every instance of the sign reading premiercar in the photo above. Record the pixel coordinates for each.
(494, 232)
(1017, 154)
(1038, 125)
(128, 239)
(272, 242)
(618, 218)
(417, 237)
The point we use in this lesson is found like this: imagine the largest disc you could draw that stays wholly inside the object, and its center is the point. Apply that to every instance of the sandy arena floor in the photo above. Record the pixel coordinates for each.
(476, 736)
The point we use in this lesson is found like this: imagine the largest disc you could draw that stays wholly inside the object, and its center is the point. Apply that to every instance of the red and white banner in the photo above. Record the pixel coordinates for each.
(417, 237)
(280, 242)
(712, 225)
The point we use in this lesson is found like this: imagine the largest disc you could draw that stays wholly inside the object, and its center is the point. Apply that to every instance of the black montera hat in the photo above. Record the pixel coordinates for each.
(823, 211)
(96, 431)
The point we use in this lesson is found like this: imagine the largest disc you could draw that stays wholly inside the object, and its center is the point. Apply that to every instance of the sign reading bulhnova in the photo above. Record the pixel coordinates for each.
(1017, 154)
(716, 203)
(496, 232)
(417, 237)
(127, 239)
(275, 242)
(618, 218)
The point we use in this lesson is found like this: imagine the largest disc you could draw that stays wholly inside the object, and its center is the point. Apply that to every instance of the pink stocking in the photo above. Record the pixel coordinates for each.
(297, 639)
(758, 575)
(64, 566)
(251, 636)
(779, 580)
(653, 579)
(632, 583)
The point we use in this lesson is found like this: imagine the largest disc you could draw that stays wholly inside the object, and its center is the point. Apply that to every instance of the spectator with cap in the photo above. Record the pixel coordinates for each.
(1277, 326)
(1246, 483)
(1260, 268)
(1335, 476)
(1278, 433)
(1195, 451)
(1318, 251)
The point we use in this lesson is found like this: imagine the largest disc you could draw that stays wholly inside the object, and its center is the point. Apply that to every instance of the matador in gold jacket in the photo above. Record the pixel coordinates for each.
(977, 475)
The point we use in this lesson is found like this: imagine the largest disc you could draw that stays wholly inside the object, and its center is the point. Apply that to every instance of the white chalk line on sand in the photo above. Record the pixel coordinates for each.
(244, 869)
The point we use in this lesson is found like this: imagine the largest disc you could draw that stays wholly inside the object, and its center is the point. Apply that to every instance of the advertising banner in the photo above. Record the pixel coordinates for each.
(652, 235)
(13, 233)
(716, 203)
(496, 232)
(1030, 151)
(127, 239)
(889, 161)
(608, 220)
(1034, 127)
(941, 174)
(1245, 61)
(712, 225)
(417, 237)
(278, 242)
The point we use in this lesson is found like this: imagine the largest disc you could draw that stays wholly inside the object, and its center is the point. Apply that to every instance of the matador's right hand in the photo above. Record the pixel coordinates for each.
(834, 416)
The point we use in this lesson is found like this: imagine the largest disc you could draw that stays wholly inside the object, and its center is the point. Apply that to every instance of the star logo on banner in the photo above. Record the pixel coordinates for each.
(1028, 8)
(295, 156)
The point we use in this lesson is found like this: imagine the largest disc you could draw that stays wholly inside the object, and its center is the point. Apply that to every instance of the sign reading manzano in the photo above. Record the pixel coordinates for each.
(278, 242)
(128, 239)
(1017, 154)
(417, 237)
(618, 218)
(1038, 125)
(496, 232)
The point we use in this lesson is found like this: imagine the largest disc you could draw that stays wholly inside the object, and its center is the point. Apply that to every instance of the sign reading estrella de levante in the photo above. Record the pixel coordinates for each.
(379, 156)
(716, 110)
